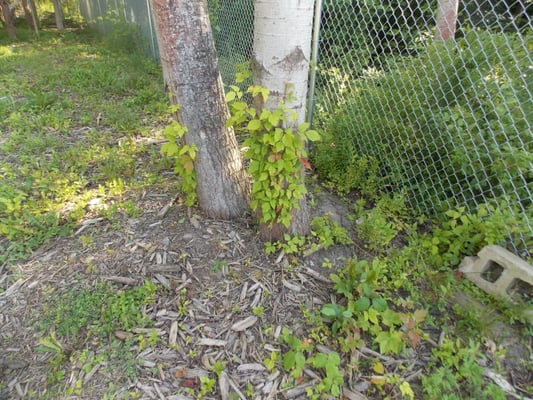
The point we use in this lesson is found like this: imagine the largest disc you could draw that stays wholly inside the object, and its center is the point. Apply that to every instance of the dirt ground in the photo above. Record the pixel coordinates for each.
(226, 275)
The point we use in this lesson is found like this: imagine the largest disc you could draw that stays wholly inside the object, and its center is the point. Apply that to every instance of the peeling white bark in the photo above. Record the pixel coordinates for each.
(281, 54)
(282, 49)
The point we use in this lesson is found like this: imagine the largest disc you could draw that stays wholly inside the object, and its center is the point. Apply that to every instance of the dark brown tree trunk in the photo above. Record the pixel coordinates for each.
(27, 14)
(446, 20)
(58, 11)
(191, 75)
(8, 19)
(31, 15)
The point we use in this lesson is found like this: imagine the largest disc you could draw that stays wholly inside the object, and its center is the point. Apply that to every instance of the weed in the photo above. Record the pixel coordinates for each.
(458, 374)
(185, 155)
(258, 311)
(50, 156)
(461, 233)
(382, 223)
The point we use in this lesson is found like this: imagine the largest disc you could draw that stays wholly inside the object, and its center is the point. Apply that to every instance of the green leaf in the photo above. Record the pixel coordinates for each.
(406, 391)
(379, 304)
(303, 127)
(230, 96)
(289, 360)
(273, 119)
(254, 125)
(312, 135)
(319, 361)
(330, 311)
(390, 342)
(362, 304)
(390, 317)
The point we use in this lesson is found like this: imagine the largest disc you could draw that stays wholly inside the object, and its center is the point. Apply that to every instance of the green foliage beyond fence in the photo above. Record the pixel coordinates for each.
(449, 124)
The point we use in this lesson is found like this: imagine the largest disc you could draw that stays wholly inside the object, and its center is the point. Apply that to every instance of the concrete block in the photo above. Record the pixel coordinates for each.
(501, 274)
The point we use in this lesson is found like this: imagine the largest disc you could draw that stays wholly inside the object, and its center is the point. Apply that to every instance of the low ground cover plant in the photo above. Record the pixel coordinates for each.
(47, 174)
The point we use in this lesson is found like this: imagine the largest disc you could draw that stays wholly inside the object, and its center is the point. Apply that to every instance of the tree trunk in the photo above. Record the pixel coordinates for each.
(191, 75)
(30, 14)
(58, 11)
(27, 13)
(446, 20)
(8, 19)
(281, 53)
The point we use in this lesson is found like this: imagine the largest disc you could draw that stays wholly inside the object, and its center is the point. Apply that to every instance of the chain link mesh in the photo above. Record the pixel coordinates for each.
(449, 124)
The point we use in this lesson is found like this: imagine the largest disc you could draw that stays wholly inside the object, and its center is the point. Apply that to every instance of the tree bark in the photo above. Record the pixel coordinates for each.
(30, 14)
(58, 11)
(281, 53)
(446, 20)
(191, 75)
(8, 19)
(27, 13)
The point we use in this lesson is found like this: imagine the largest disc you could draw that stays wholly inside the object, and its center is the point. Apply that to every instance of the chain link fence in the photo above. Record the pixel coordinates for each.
(450, 124)
(447, 123)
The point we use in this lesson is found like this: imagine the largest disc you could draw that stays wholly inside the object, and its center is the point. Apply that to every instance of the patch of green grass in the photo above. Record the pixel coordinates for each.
(72, 111)
(98, 311)
(78, 328)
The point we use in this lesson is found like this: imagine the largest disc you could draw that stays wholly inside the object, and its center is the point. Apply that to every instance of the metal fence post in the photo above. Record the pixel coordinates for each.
(314, 61)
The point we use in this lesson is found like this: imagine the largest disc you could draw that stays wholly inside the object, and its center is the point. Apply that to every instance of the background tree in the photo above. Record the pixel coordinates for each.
(8, 18)
(446, 20)
(281, 53)
(191, 76)
(58, 12)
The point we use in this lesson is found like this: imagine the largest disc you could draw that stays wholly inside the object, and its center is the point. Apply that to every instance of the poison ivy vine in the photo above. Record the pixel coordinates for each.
(185, 155)
(276, 150)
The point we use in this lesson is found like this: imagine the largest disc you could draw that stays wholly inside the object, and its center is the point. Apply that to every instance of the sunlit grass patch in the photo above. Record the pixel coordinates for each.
(71, 110)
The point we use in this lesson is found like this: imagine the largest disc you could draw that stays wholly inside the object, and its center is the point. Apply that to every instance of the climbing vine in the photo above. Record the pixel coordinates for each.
(185, 155)
(276, 150)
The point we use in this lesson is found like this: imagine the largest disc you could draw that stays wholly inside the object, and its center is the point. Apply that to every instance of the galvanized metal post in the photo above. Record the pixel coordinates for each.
(314, 61)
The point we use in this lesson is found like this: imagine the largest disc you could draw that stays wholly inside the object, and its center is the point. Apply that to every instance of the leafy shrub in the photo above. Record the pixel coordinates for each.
(451, 126)
(363, 34)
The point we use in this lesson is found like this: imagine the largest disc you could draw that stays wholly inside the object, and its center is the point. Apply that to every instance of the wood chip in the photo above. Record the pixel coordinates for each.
(122, 335)
(12, 364)
(253, 367)
(244, 324)
(212, 342)
(503, 384)
(291, 286)
(122, 280)
(173, 334)
(349, 395)
(194, 222)
(223, 385)
(165, 209)
(91, 373)
(87, 223)
(316, 275)
(299, 390)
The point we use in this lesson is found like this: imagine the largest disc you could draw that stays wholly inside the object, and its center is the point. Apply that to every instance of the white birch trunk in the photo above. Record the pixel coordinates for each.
(282, 49)
(281, 54)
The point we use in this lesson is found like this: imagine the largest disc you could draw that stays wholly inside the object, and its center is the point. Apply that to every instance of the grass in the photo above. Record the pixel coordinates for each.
(72, 118)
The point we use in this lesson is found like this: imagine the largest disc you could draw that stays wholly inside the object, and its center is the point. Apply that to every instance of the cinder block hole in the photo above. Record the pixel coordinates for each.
(521, 291)
(492, 272)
